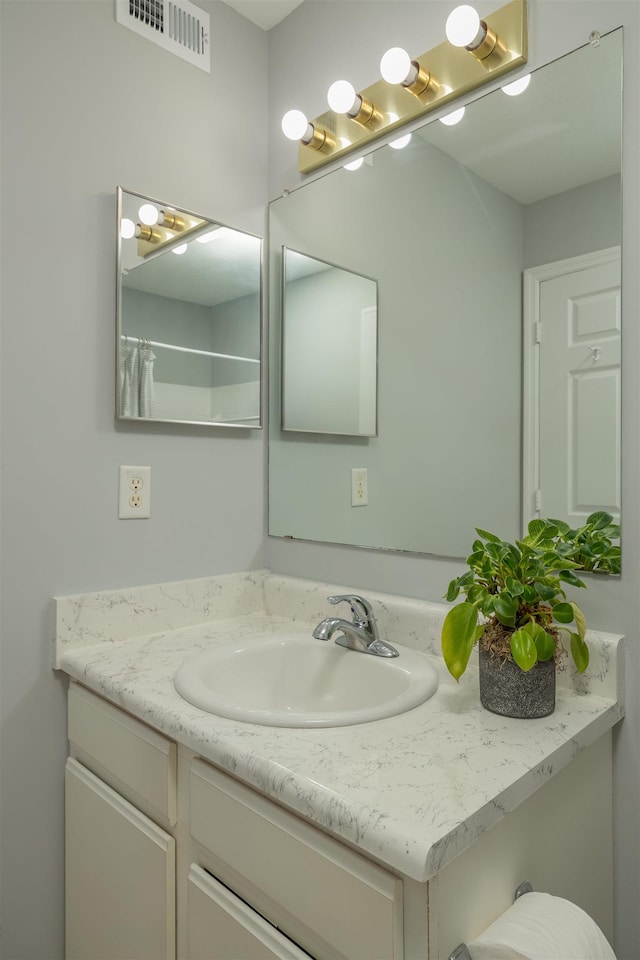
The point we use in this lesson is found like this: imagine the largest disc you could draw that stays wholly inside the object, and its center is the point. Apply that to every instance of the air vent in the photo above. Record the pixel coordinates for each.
(182, 28)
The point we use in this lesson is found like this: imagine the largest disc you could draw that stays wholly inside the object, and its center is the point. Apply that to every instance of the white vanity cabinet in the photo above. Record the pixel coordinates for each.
(168, 856)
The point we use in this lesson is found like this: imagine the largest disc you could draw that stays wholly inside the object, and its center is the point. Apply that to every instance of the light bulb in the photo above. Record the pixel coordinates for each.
(342, 97)
(463, 27)
(179, 250)
(401, 142)
(148, 214)
(518, 86)
(395, 65)
(452, 118)
(353, 164)
(295, 125)
(127, 228)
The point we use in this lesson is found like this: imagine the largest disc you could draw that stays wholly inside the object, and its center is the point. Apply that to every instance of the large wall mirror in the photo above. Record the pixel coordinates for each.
(188, 328)
(495, 243)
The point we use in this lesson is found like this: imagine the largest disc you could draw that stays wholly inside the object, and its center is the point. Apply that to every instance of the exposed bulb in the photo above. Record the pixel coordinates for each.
(464, 28)
(450, 119)
(396, 66)
(127, 228)
(401, 142)
(295, 125)
(179, 250)
(342, 97)
(518, 86)
(148, 214)
(353, 164)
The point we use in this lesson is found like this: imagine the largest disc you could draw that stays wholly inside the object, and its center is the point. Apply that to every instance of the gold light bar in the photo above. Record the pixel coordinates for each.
(455, 71)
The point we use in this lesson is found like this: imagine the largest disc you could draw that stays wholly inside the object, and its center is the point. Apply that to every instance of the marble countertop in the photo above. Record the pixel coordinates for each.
(412, 791)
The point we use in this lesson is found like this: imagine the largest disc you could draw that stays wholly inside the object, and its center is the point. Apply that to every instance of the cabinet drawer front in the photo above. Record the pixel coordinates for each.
(223, 927)
(299, 878)
(128, 755)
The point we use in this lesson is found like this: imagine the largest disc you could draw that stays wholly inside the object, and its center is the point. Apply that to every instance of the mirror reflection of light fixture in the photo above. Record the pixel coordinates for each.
(217, 234)
(146, 232)
(295, 126)
(401, 142)
(171, 220)
(148, 214)
(464, 28)
(397, 67)
(127, 228)
(180, 249)
(518, 86)
(353, 164)
(342, 98)
(455, 116)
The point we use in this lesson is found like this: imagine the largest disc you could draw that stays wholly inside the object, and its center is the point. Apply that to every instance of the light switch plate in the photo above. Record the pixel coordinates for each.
(134, 493)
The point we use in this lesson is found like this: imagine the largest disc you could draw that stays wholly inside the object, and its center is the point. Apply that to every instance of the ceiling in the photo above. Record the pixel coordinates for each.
(265, 13)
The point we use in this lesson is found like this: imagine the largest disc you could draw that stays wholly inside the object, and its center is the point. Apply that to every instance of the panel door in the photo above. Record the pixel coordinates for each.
(120, 876)
(579, 392)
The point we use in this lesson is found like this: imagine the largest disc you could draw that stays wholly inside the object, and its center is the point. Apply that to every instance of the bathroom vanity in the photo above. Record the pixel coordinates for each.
(197, 836)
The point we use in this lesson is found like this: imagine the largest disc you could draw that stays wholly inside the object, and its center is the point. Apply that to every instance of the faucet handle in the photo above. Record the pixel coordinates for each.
(361, 609)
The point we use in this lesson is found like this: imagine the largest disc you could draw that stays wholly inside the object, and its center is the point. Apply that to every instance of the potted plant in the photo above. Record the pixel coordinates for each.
(516, 609)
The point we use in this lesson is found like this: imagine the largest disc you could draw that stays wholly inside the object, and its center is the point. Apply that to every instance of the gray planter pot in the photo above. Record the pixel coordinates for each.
(511, 692)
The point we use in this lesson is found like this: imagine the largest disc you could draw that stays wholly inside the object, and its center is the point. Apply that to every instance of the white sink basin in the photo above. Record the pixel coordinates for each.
(294, 680)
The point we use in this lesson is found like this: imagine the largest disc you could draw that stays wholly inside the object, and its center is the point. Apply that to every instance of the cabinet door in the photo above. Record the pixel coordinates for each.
(221, 926)
(120, 876)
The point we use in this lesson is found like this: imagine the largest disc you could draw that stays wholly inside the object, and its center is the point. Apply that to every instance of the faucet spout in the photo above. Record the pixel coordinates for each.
(359, 634)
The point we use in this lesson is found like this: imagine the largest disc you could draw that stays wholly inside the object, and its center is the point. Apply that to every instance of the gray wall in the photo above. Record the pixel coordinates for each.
(573, 223)
(87, 105)
(554, 29)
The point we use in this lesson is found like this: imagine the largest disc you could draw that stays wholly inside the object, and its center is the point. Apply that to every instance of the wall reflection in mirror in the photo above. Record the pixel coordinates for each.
(329, 348)
(496, 247)
(188, 319)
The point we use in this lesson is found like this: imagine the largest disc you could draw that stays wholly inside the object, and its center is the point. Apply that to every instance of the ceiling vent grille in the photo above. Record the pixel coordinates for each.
(182, 28)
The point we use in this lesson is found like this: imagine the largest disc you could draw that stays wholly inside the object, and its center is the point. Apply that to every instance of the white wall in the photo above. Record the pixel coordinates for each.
(88, 105)
(349, 39)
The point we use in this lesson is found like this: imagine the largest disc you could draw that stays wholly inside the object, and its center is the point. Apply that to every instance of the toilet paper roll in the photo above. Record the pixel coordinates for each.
(539, 926)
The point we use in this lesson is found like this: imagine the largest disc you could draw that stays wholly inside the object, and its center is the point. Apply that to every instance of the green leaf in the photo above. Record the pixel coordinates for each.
(523, 649)
(563, 528)
(452, 590)
(545, 591)
(536, 530)
(580, 619)
(599, 520)
(491, 537)
(568, 576)
(545, 644)
(579, 652)
(505, 608)
(514, 587)
(458, 637)
(563, 613)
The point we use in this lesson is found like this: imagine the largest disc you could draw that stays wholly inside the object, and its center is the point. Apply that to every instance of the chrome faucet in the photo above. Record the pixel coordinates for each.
(360, 633)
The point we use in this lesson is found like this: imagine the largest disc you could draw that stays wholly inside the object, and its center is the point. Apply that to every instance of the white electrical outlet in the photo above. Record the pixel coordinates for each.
(135, 493)
(359, 487)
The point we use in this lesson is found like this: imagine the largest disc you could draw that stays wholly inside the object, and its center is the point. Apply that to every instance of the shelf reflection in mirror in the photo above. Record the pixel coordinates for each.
(450, 227)
(188, 338)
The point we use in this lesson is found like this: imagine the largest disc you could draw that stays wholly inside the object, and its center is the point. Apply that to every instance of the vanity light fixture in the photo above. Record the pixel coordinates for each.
(464, 28)
(342, 98)
(518, 86)
(148, 214)
(146, 232)
(127, 228)
(498, 44)
(396, 66)
(171, 220)
(295, 126)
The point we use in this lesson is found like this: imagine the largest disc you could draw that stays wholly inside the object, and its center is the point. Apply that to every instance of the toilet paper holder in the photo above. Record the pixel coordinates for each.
(461, 952)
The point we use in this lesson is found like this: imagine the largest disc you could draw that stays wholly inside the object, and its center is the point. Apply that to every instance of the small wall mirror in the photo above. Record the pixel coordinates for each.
(329, 348)
(188, 317)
